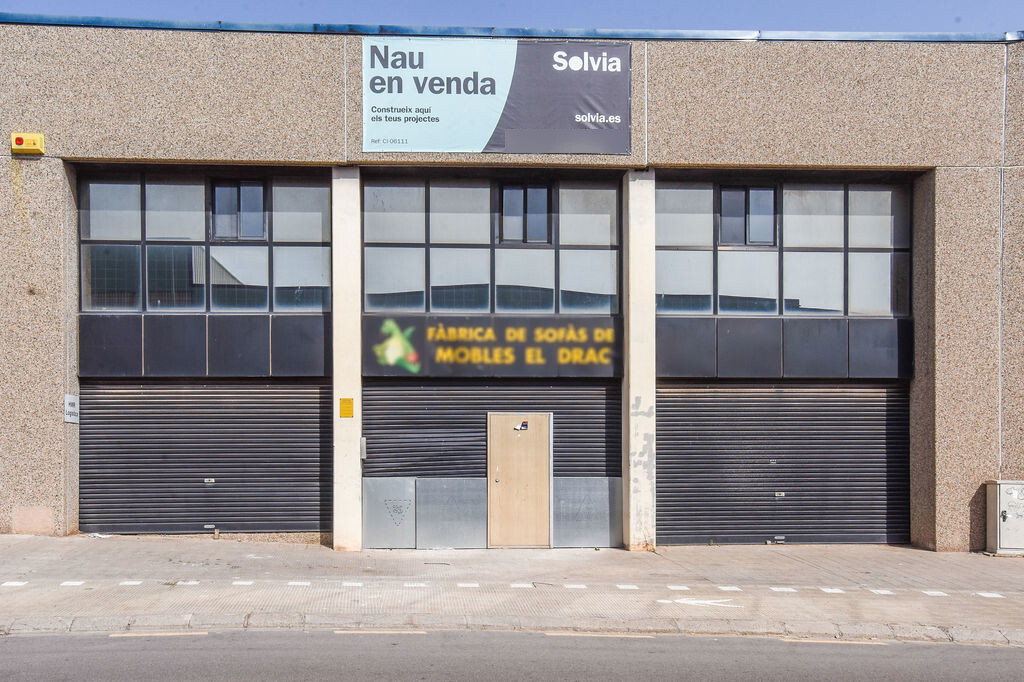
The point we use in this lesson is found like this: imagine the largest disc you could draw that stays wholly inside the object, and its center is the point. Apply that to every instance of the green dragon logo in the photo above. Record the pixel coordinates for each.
(396, 349)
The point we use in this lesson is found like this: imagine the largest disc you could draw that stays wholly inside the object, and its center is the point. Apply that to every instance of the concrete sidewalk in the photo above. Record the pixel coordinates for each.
(121, 583)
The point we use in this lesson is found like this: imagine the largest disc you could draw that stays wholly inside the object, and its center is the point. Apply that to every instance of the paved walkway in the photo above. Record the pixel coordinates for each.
(126, 583)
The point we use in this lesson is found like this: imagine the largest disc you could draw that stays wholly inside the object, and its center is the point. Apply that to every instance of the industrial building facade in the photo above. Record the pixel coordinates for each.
(470, 289)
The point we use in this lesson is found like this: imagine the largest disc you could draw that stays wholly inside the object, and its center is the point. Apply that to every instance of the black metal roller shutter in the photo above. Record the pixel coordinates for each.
(440, 428)
(188, 458)
(783, 462)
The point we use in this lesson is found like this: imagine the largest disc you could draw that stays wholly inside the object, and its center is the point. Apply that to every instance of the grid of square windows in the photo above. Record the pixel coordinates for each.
(190, 242)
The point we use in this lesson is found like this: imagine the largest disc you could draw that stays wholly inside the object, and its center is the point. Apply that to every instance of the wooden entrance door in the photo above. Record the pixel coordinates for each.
(518, 479)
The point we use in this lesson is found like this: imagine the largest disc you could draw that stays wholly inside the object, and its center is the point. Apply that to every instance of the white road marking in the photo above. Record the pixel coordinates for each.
(187, 582)
(469, 584)
(729, 588)
(575, 587)
(242, 582)
(415, 585)
(935, 593)
(298, 583)
(72, 583)
(519, 586)
(690, 601)
(831, 590)
(678, 588)
(380, 632)
(130, 582)
(627, 587)
(882, 591)
(991, 595)
(783, 589)
(14, 583)
(351, 584)
(664, 601)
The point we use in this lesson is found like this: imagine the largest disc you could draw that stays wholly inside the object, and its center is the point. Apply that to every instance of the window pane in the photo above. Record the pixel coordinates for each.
(537, 215)
(524, 281)
(225, 211)
(111, 210)
(394, 212)
(812, 215)
(238, 275)
(111, 277)
(302, 210)
(588, 215)
(393, 279)
(684, 281)
(879, 284)
(512, 207)
(734, 217)
(748, 282)
(684, 214)
(175, 208)
(175, 278)
(588, 282)
(460, 212)
(879, 216)
(302, 278)
(251, 220)
(762, 216)
(460, 280)
(812, 283)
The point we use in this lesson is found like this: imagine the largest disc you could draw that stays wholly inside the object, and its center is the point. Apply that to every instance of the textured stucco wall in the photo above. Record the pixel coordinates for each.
(1013, 324)
(1015, 104)
(38, 347)
(955, 395)
(175, 95)
(834, 104)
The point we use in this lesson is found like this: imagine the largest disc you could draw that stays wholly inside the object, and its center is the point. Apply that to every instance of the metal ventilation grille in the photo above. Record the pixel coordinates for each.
(188, 458)
(440, 428)
(783, 462)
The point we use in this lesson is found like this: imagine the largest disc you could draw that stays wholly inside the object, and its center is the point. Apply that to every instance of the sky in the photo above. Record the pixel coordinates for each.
(970, 16)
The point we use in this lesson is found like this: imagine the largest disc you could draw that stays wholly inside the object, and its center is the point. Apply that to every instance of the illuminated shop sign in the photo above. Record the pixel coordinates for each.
(495, 346)
(481, 95)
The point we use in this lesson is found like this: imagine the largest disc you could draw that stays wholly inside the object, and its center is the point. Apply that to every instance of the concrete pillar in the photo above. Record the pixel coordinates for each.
(346, 337)
(639, 371)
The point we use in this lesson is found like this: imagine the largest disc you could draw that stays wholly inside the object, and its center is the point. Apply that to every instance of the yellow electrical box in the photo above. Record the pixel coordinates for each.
(27, 143)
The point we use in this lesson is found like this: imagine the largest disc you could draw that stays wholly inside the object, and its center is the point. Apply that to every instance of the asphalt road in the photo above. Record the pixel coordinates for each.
(468, 655)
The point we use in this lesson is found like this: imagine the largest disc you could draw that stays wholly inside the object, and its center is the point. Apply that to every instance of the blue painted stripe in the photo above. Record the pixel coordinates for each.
(591, 33)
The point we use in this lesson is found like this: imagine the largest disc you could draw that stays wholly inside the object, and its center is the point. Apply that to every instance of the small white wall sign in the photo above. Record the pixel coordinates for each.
(71, 409)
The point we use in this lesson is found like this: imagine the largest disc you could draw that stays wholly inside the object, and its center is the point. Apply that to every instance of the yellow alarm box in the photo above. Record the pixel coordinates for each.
(27, 143)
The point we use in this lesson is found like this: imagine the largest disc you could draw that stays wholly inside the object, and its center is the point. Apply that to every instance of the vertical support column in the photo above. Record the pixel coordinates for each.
(346, 335)
(639, 371)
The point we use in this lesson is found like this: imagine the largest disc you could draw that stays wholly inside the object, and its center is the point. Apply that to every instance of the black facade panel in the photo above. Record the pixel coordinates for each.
(300, 345)
(783, 462)
(686, 347)
(439, 428)
(110, 345)
(193, 457)
(815, 349)
(881, 349)
(750, 348)
(239, 345)
(174, 345)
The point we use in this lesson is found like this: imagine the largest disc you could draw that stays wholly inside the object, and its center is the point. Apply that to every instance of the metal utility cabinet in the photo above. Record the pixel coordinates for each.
(1005, 516)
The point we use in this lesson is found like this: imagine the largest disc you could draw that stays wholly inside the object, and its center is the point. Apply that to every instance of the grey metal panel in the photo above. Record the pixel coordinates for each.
(110, 345)
(450, 512)
(587, 512)
(389, 513)
(881, 349)
(300, 345)
(750, 348)
(174, 345)
(686, 346)
(807, 462)
(239, 345)
(816, 348)
(162, 457)
(439, 428)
